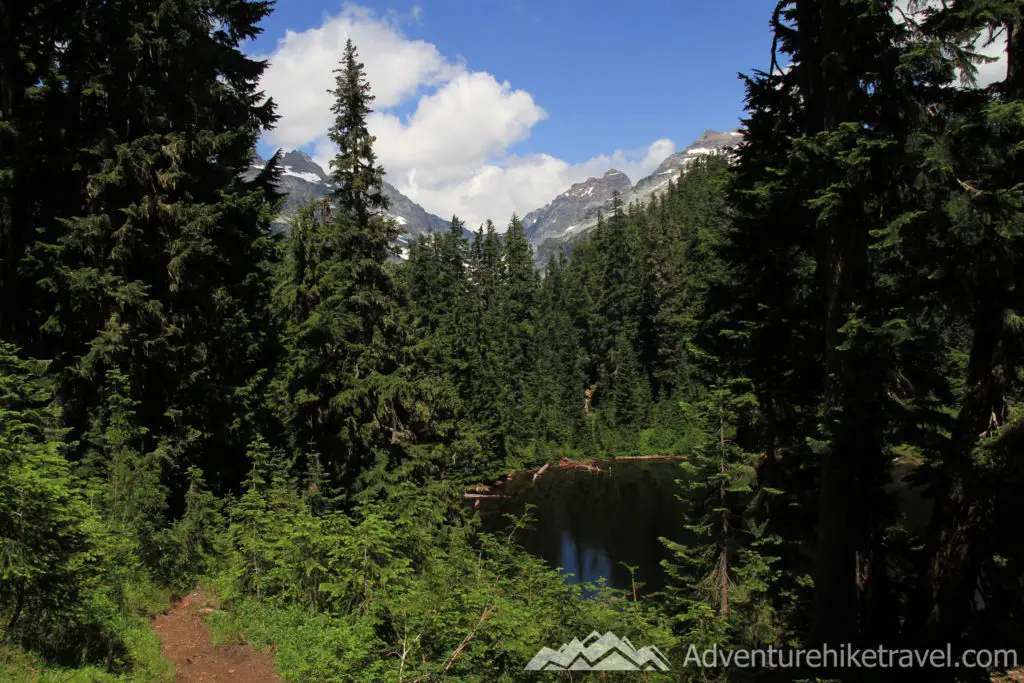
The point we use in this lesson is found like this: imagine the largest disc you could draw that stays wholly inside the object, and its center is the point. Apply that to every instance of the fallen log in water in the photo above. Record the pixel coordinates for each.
(566, 464)
(650, 457)
(587, 465)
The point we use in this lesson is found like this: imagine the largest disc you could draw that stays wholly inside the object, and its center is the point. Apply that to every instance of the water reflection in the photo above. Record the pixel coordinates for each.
(588, 523)
(583, 563)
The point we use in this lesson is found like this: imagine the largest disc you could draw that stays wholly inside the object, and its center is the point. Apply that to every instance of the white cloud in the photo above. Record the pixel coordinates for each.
(301, 70)
(521, 184)
(451, 153)
(470, 119)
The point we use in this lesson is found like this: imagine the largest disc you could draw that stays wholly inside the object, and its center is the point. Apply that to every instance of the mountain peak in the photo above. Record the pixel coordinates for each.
(575, 210)
(618, 180)
(572, 209)
(303, 181)
(298, 156)
(671, 168)
(299, 164)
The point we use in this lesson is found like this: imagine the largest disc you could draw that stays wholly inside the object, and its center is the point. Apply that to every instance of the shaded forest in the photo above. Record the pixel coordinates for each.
(290, 420)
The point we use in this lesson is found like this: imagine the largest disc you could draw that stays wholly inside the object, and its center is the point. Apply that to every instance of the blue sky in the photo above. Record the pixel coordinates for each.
(589, 86)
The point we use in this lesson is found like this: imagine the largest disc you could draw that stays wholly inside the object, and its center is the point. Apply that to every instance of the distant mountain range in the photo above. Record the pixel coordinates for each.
(548, 228)
(303, 181)
(575, 211)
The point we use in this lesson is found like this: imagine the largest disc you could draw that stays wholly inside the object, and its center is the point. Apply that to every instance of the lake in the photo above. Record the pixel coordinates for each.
(588, 523)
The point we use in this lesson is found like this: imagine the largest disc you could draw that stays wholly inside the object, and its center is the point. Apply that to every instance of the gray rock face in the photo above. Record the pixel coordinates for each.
(303, 181)
(576, 208)
(411, 216)
(675, 165)
(574, 212)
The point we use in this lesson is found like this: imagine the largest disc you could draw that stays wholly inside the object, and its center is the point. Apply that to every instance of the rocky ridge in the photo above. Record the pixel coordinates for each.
(575, 211)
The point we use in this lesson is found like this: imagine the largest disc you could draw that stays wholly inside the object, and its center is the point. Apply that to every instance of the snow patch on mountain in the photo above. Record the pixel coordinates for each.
(308, 177)
(302, 181)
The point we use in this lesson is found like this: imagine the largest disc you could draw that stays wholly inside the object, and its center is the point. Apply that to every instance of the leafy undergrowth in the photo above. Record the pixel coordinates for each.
(17, 665)
(125, 630)
(460, 619)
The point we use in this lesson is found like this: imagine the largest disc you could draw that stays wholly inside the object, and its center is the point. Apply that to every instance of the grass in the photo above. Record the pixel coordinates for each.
(20, 666)
(131, 625)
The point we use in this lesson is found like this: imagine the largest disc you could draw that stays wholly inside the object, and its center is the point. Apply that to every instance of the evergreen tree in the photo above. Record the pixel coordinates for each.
(515, 332)
(819, 261)
(721, 579)
(627, 394)
(559, 379)
(683, 237)
(358, 180)
(47, 565)
(488, 277)
(975, 231)
(126, 482)
(347, 385)
(620, 286)
(440, 292)
(157, 263)
(37, 176)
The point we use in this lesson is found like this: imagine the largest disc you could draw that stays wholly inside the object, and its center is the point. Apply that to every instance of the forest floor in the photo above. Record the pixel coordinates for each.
(185, 640)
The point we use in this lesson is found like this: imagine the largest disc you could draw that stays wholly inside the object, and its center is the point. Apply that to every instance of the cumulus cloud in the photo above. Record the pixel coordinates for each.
(451, 153)
(468, 120)
(520, 184)
(301, 70)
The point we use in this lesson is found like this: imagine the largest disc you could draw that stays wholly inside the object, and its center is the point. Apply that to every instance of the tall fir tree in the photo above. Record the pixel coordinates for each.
(358, 180)
(721, 579)
(516, 331)
(975, 230)
(559, 381)
(156, 264)
(348, 385)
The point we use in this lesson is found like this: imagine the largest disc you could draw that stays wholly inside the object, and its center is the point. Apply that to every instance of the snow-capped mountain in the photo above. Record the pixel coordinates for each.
(570, 211)
(303, 180)
(675, 165)
(575, 210)
(547, 228)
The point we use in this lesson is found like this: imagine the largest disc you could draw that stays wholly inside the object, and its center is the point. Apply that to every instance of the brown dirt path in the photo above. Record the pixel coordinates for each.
(185, 640)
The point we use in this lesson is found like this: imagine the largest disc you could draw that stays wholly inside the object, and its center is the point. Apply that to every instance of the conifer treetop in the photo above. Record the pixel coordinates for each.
(358, 179)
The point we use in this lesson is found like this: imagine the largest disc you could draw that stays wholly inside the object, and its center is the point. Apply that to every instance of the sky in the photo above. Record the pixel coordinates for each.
(488, 107)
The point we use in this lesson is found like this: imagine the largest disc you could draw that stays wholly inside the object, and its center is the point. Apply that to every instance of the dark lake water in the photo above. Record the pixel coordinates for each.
(588, 523)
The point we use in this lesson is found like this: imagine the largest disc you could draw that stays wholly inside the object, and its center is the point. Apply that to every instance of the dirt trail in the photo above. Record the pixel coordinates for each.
(185, 641)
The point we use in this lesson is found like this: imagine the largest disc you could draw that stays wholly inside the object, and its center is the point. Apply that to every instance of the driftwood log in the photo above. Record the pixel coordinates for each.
(481, 491)
(589, 465)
